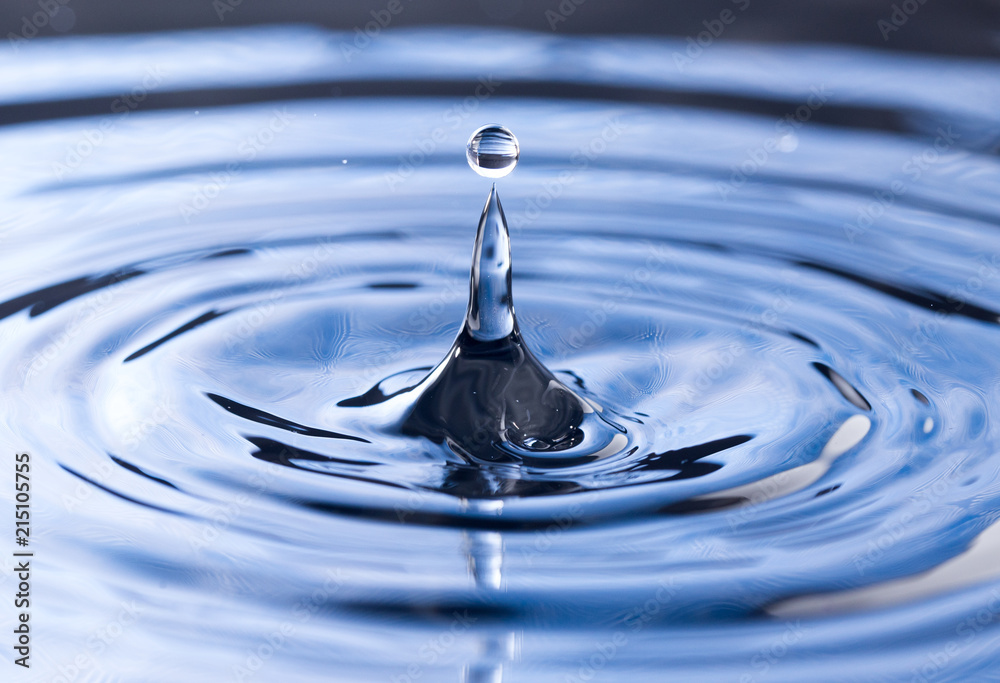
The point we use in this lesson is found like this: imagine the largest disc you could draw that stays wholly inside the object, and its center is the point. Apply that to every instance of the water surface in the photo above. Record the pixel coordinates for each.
(775, 269)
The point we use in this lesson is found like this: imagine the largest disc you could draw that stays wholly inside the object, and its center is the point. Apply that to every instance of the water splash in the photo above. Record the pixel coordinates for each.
(490, 399)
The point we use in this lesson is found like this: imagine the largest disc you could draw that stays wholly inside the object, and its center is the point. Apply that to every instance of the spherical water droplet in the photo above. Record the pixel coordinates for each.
(492, 151)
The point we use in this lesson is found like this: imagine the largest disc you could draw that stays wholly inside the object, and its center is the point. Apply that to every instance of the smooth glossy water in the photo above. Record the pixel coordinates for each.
(212, 330)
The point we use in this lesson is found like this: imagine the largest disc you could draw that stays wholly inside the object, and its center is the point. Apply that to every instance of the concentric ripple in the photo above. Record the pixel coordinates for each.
(197, 343)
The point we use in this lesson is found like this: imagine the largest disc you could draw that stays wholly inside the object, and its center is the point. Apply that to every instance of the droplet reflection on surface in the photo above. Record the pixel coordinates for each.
(492, 151)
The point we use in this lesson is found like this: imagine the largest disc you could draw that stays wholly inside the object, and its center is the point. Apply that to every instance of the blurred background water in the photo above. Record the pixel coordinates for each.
(763, 241)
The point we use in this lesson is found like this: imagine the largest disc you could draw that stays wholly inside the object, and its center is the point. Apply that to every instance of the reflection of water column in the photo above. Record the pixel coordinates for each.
(484, 550)
(484, 553)
(497, 649)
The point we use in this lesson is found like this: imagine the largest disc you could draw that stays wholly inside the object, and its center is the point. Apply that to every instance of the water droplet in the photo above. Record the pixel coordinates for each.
(492, 151)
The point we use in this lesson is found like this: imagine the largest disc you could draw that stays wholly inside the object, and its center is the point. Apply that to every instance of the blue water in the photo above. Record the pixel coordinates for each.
(795, 320)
